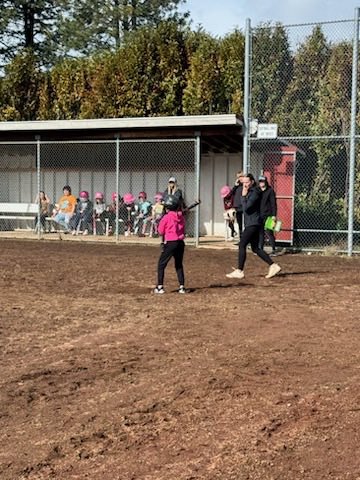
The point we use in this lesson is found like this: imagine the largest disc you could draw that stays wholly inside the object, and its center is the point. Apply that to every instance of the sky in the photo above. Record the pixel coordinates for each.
(219, 17)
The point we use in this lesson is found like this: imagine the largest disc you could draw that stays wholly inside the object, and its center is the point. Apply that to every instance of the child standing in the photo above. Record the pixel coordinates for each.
(172, 227)
(229, 210)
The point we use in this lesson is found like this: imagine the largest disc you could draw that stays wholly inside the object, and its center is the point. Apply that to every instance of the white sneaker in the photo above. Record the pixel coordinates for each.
(73, 232)
(236, 274)
(86, 232)
(182, 289)
(159, 290)
(274, 269)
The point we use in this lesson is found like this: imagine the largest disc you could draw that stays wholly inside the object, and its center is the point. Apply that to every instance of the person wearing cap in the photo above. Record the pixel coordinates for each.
(66, 208)
(173, 189)
(268, 208)
(250, 199)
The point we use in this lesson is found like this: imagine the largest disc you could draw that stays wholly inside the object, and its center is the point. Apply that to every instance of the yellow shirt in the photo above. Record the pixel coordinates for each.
(67, 204)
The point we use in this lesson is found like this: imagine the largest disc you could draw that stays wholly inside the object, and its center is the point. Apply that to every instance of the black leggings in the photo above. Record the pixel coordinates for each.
(239, 219)
(172, 249)
(251, 235)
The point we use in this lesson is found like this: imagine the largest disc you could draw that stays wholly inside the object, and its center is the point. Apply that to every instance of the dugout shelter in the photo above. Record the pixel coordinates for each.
(136, 154)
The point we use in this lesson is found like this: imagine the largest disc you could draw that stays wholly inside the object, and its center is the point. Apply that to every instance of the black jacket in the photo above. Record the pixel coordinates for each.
(251, 207)
(268, 203)
(236, 192)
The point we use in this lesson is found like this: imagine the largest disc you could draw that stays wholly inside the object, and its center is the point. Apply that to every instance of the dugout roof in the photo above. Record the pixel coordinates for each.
(219, 133)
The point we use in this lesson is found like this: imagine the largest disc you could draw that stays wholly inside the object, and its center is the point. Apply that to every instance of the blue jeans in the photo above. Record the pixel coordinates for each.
(63, 219)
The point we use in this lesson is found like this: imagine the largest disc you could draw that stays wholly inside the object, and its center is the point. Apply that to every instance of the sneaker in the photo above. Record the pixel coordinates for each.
(73, 232)
(274, 269)
(182, 289)
(86, 232)
(236, 274)
(159, 289)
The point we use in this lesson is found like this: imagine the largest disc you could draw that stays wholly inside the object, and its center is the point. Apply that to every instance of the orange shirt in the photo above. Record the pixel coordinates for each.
(67, 204)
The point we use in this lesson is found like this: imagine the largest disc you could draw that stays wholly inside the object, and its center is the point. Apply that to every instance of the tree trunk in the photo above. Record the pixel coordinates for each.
(29, 18)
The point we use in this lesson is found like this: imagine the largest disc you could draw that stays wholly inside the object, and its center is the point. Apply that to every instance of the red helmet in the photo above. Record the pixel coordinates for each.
(142, 195)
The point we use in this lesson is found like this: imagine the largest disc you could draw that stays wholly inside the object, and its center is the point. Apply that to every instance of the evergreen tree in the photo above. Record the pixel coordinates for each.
(204, 93)
(31, 25)
(95, 25)
(20, 88)
(301, 99)
(232, 50)
(271, 71)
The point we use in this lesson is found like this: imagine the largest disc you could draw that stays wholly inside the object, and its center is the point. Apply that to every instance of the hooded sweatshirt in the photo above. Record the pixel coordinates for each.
(172, 226)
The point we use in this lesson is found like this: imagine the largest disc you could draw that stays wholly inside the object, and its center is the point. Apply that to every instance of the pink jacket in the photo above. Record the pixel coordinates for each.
(172, 226)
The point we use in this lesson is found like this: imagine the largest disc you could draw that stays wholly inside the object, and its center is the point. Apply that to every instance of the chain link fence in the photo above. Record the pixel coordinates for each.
(303, 80)
(115, 184)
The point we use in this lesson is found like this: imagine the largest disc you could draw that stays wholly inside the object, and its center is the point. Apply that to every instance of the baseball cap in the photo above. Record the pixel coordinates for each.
(172, 180)
(262, 178)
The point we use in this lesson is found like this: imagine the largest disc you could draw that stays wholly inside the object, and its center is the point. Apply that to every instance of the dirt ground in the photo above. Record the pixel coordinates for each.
(249, 379)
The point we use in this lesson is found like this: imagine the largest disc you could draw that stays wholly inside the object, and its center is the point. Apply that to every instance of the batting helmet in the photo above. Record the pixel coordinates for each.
(84, 194)
(171, 202)
(142, 195)
(129, 198)
(225, 190)
(99, 196)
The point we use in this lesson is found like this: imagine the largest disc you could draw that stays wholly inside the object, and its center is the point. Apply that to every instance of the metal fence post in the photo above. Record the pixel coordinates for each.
(353, 132)
(117, 187)
(197, 185)
(38, 185)
(247, 67)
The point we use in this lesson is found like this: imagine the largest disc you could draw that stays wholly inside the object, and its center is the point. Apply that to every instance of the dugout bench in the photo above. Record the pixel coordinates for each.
(13, 216)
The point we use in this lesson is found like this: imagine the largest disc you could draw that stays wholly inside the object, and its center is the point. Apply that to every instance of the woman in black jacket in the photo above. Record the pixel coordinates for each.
(250, 199)
(267, 209)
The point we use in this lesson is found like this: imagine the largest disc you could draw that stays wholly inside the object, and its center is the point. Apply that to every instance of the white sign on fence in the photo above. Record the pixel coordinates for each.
(267, 130)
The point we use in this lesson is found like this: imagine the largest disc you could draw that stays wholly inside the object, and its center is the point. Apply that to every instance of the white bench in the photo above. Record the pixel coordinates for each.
(19, 212)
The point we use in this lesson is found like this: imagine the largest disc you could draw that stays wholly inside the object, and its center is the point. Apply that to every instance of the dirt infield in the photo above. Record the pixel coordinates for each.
(250, 379)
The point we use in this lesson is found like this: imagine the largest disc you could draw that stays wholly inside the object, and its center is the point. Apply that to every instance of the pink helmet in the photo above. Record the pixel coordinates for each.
(158, 196)
(142, 195)
(114, 196)
(99, 196)
(129, 198)
(225, 190)
(84, 194)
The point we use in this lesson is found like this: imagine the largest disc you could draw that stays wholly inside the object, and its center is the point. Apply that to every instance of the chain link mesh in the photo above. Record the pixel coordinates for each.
(301, 80)
(18, 184)
(109, 170)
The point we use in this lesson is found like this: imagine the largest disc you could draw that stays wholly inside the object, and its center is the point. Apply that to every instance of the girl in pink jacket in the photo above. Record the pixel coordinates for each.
(172, 228)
